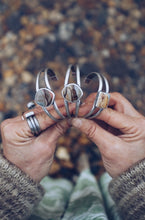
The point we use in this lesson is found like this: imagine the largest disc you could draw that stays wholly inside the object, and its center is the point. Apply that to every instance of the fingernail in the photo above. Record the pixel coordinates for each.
(77, 122)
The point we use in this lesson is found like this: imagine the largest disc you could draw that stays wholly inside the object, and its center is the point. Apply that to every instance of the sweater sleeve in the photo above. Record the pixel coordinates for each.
(18, 192)
(128, 192)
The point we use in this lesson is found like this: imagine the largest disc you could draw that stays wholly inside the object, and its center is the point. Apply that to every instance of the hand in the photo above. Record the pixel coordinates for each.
(33, 155)
(121, 139)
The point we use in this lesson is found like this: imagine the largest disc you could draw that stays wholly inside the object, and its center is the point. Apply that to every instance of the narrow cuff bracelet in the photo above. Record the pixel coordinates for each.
(102, 98)
(72, 92)
(45, 97)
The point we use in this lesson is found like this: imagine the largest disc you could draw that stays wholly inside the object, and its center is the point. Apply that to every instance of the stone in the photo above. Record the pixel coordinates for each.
(26, 77)
(2, 106)
(83, 140)
(97, 37)
(102, 100)
(136, 13)
(142, 52)
(65, 30)
(62, 153)
(24, 20)
(105, 53)
(55, 167)
(129, 48)
(89, 4)
(40, 30)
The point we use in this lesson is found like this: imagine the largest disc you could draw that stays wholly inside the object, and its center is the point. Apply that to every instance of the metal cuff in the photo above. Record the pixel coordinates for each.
(102, 97)
(45, 97)
(72, 92)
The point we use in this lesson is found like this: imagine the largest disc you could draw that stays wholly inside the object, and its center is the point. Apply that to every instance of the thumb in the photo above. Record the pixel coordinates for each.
(54, 132)
(97, 134)
(60, 128)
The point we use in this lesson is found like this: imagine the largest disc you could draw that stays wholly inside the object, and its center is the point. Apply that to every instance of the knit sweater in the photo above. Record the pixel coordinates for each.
(128, 192)
(18, 192)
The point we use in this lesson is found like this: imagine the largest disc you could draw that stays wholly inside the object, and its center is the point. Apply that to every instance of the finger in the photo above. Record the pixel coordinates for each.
(49, 138)
(85, 108)
(117, 120)
(38, 108)
(97, 134)
(117, 101)
(43, 119)
(46, 122)
(91, 97)
(54, 132)
(87, 105)
(121, 104)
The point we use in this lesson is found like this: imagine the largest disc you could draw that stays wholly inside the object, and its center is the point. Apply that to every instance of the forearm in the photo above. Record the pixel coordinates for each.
(18, 193)
(128, 192)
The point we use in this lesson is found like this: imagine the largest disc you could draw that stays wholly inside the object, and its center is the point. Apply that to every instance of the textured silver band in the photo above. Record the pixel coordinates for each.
(33, 123)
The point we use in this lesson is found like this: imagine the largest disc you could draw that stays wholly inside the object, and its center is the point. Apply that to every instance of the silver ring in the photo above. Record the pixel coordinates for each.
(45, 97)
(102, 98)
(33, 123)
(30, 105)
(72, 92)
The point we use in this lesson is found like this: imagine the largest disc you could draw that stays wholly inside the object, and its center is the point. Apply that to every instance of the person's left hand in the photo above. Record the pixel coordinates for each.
(118, 132)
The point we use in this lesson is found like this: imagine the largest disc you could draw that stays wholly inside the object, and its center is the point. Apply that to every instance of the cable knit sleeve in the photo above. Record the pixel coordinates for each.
(128, 192)
(18, 193)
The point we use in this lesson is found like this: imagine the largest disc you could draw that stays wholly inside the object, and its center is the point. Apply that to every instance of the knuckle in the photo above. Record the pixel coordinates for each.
(5, 124)
(108, 115)
(140, 124)
(60, 128)
(91, 131)
(117, 95)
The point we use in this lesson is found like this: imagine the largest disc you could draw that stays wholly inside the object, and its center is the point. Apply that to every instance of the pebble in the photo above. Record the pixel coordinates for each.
(9, 77)
(105, 53)
(135, 13)
(2, 108)
(83, 140)
(40, 30)
(129, 48)
(54, 16)
(65, 31)
(142, 52)
(62, 153)
(97, 37)
(26, 77)
(55, 167)
(123, 37)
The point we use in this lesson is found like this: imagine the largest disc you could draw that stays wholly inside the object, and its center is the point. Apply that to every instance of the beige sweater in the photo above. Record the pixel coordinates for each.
(19, 194)
(128, 192)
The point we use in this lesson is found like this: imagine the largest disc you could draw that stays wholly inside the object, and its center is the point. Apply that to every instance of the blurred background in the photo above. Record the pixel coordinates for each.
(105, 36)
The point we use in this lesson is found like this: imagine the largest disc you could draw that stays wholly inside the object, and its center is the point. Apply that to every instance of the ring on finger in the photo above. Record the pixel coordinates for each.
(33, 123)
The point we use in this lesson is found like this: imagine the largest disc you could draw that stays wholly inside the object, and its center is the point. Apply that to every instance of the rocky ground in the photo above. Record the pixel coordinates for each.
(105, 36)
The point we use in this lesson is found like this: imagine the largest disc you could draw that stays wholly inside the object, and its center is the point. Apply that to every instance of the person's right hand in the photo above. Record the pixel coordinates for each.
(33, 154)
(122, 140)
